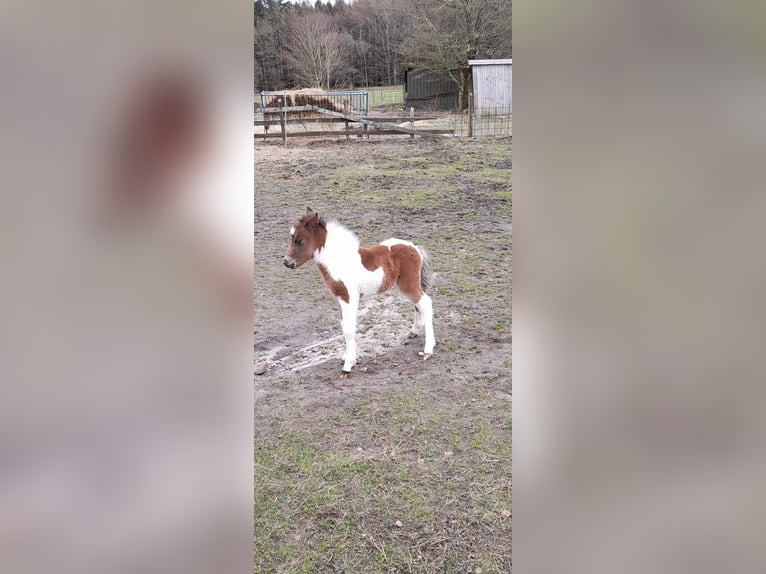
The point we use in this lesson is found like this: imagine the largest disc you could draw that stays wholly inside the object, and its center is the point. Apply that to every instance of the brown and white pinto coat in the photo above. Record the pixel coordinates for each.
(351, 271)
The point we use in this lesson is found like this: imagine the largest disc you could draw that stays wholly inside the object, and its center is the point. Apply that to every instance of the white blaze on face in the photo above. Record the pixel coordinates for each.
(292, 230)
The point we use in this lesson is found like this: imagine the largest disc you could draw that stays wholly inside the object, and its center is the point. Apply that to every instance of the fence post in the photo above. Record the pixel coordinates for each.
(412, 123)
(283, 120)
(470, 114)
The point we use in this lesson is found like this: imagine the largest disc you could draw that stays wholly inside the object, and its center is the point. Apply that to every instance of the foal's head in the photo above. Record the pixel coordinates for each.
(306, 236)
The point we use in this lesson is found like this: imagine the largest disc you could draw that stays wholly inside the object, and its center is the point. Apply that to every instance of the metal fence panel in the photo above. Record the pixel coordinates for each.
(357, 98)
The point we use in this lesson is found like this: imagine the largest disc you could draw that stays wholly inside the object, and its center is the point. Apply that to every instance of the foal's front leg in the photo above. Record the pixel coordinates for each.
(348, 322)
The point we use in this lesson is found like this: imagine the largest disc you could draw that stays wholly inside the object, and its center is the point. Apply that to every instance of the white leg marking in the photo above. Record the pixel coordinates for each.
(426, 308)
(417, 324)
(348, 323)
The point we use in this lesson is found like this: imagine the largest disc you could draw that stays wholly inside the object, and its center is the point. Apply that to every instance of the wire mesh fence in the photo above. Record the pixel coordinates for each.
(387, 98)
(484, 122)
(487, 121)
(351, 101)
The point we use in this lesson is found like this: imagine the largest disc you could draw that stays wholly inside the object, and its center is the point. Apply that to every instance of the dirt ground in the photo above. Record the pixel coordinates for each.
(406, 465)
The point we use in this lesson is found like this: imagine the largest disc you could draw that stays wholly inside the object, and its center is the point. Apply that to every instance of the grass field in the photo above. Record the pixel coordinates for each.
(430, 492)
(405, 467)
(383, 96)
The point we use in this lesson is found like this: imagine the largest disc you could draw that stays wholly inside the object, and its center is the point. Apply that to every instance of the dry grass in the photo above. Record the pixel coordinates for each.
(405, 467)
(391, 487)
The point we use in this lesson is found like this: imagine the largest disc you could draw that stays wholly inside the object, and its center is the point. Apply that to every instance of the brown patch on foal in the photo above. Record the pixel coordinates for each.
(401, 266)
(338, 288)
(379, 256)
(409, 263)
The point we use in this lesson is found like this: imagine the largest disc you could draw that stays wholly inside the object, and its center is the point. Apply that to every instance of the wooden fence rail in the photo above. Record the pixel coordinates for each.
(379, 125)
(357, 133)
(388, 120)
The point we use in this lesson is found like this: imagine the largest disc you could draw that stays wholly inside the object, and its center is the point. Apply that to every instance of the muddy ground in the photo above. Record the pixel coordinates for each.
(433, 438)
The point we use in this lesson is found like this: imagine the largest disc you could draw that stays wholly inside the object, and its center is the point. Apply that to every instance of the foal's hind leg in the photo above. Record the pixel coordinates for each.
(426, 308)
(416, 325)
(410, 285)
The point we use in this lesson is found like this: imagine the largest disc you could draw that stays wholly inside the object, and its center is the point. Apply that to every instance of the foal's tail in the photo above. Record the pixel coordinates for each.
(426, 274)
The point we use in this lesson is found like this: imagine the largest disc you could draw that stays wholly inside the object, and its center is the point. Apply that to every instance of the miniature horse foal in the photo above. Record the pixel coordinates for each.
(351, 271)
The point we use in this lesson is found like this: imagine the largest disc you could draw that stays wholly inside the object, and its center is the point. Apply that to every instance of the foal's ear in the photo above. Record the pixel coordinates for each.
(311, 218)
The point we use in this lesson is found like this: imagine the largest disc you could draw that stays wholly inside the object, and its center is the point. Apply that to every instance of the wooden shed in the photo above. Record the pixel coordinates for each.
(492, 86)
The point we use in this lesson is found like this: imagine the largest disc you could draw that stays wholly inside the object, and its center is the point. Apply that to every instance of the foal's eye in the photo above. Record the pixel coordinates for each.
(298, 241)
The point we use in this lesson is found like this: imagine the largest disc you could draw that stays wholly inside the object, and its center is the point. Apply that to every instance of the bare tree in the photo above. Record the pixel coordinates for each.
(317, 52)
(372, 42)
(383, 25)
(449, 33)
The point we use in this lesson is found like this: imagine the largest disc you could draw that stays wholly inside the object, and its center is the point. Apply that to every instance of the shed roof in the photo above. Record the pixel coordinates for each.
(488, 62)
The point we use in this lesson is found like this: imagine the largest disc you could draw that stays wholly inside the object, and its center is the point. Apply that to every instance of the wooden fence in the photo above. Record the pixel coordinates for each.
(353, 124)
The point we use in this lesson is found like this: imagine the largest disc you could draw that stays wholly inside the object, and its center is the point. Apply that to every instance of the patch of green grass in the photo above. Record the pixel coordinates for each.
(380, 96)
(493, 175)
(436, 475)
(361, 409)
(382, 185)
(414, 183)
(423, 199)
(416, 160)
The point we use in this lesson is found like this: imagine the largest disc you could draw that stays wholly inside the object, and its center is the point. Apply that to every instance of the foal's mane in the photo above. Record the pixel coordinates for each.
(338, 239)
(308, 217)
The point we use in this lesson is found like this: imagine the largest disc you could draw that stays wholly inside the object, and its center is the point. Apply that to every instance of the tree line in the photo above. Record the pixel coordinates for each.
(362, 43)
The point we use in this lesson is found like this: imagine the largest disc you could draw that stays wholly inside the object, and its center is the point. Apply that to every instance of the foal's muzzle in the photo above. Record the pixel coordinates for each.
(289, 264)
